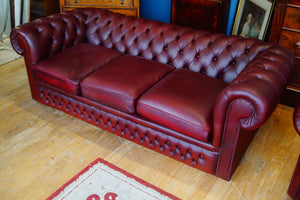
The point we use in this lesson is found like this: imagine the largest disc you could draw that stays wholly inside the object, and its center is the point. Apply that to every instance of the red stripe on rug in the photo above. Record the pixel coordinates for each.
(113, 167)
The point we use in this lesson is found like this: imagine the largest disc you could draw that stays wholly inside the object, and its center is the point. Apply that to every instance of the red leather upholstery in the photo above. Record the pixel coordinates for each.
(195, 153)
(64, 73)
(211, 54)
(256, 73)
(119, 83)
(183, 101)
(294, 187)
(49, 36)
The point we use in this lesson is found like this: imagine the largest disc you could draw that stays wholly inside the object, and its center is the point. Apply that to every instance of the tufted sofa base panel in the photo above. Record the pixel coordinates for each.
(204, 158)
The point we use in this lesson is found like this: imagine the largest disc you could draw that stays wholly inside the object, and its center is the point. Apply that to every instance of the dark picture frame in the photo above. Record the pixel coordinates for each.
(252, 18)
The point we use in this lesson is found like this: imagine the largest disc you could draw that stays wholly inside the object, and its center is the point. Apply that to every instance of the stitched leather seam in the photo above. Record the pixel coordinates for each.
(99, 67)
(163, 77)
(223, 135)
(62, 79)
(236, 137)
(177, 118)
(116, 94)
(234, 147)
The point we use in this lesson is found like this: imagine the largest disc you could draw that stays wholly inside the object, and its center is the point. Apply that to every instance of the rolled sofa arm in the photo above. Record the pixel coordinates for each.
(247, 102)
(44, 37)
(255, 91)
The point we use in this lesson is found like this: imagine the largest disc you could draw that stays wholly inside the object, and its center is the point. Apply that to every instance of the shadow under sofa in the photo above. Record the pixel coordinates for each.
(194, 96)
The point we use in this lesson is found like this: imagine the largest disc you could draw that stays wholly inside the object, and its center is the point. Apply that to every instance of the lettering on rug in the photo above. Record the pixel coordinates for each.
(107, 196)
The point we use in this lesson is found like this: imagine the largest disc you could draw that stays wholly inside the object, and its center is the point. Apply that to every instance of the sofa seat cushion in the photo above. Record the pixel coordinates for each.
(66, 69)
(119, 83)
(182, 101)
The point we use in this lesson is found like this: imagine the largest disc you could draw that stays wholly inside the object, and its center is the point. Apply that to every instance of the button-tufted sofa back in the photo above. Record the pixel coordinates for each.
(47, 33)
(215, 55)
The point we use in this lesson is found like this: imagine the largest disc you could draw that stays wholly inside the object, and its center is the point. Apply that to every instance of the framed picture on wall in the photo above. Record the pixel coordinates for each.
(252, 18)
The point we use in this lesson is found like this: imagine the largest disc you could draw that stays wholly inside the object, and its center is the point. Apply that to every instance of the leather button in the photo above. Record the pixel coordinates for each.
(161, 148)
(215, 58)
(188, 154)
(194, 162)
(172, 153)
(156, 140)
(167, 144)
(181, 52)
(182, 157)
(177, 149)
(197, 55)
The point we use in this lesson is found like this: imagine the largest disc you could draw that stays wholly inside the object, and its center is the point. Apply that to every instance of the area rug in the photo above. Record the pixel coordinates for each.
(103, 181)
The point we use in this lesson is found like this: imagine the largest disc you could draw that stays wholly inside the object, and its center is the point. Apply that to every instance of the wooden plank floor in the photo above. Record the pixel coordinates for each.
(41, 148)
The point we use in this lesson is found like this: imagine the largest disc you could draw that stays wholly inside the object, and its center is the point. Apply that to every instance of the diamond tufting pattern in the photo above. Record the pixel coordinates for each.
(190, 154)
(215, 55)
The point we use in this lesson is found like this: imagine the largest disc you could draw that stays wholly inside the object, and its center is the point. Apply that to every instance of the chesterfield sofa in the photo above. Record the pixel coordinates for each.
(194, 96)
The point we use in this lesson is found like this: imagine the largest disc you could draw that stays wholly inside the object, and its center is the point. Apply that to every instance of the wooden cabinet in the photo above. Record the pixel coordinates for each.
(208, 15)
(42, 8)
(286, 31)
(126, 7)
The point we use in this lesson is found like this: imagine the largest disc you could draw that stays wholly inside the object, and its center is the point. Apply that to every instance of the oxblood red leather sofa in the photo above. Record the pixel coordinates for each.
(294, 187)
(191, 95)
